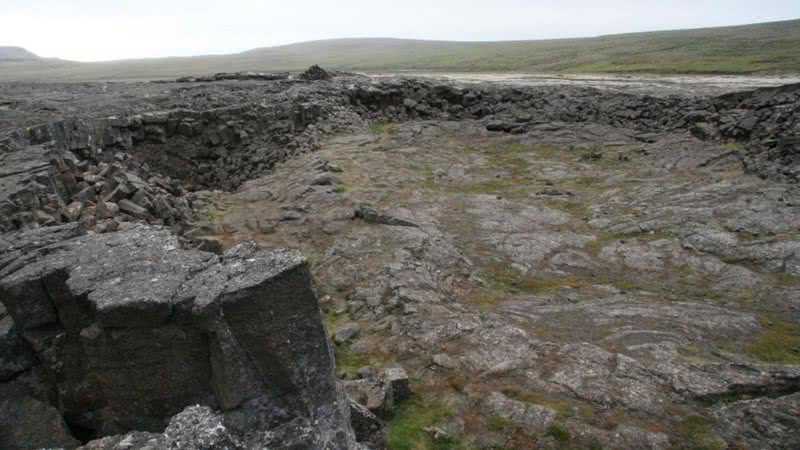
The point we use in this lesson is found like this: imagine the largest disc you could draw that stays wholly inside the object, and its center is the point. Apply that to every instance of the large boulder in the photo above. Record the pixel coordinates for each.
(315, 73)
(129, 329)
(382, 392)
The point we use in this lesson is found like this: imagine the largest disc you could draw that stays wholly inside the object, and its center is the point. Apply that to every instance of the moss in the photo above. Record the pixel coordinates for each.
(586, 411)
(583, 182)
(623, 284)
(331, 319)
(692, 353)
(512, 282)
(457, 380)
(574, 209)
(644, 236)
(217, 211)
(778, 343)
(729, 347)
(501, 424)
(504, 187)
(594, 247)
(518, 148)
(683, 270)
(558, 432)
(487, 303)
(562, 407)
(784, 279)
(406, 428)
(214, 215)
(349, 362)
(516, 165)
(512, 158)
(733, 146)
(342, 189)
(382, 127)
(696, 434)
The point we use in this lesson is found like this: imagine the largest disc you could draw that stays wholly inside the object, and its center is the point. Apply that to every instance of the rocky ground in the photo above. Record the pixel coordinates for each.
(553, 267)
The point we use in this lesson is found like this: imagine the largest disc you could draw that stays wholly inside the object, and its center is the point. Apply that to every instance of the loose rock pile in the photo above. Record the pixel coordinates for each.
(47, 187)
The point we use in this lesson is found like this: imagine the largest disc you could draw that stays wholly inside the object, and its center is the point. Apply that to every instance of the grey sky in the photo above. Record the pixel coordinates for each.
(90, 30)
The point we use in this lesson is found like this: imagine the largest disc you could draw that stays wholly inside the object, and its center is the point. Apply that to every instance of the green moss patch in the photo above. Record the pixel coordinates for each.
(558, 432)
(696, 434)
(563, 407)
(406, 428)
(349, 362)
(382, 127)
(779, 343)
(512, 282)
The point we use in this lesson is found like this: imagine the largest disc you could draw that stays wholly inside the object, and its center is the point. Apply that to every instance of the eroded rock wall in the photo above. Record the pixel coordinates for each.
(75, 169)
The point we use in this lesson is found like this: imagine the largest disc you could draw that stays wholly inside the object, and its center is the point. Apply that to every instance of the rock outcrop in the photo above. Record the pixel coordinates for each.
(128, 330)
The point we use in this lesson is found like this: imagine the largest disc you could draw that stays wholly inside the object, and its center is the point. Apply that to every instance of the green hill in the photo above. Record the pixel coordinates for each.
(760, 48)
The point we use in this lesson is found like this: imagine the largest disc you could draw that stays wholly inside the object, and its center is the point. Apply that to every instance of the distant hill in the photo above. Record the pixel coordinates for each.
(16, 54)
(760, 48)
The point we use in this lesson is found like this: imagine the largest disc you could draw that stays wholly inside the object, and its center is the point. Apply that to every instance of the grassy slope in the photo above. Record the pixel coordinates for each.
(770, 47)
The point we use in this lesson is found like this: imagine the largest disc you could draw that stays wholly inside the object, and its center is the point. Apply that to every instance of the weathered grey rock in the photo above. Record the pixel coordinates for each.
(133, 209)
(396, 380)
(345, 332)
(533, 418)
(369, 429)
(380, 392)
(198, 427)
(208, 244)
(15, 356)
(135, 440)
(371, 215)
(622, 436)
(437, 434)
(27, 423)
(761, 423)
(194, 328)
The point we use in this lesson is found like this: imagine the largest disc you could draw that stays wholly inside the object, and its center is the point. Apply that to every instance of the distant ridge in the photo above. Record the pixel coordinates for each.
(772, 48)
(16, 54)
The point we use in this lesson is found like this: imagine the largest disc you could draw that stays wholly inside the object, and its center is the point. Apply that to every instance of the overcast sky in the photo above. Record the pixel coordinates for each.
(92, 30)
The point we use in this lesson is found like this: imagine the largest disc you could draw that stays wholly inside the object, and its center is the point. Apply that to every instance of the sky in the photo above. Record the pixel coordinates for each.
(96, 30)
